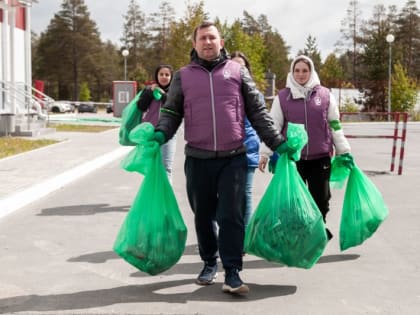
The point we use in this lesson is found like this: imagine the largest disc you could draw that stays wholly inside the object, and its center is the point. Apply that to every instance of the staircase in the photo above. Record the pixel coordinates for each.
(29, 118)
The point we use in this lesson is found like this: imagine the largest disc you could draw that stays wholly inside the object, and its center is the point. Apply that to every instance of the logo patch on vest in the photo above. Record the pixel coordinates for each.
(317, 100)
(226, 74)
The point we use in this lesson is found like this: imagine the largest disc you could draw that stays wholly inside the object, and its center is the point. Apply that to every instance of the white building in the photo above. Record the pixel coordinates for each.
(344, 96)
(17, 101)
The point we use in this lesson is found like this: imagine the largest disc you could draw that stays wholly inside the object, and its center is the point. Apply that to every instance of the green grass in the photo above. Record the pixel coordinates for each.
(14, 145)
(10, 145)
(80, 128)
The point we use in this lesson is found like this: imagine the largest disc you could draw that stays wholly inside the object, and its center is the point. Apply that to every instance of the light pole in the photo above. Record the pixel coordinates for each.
(390, 39)
(125, 53)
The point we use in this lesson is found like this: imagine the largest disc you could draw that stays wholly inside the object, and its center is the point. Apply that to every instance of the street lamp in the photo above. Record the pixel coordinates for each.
(390, 39)
(125, 53)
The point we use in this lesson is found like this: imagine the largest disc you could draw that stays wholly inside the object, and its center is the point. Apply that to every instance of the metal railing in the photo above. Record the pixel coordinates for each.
(22, 96)
(397, 117)
(26, 99)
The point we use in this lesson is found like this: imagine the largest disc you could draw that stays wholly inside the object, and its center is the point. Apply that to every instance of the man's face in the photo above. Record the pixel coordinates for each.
(208, 43)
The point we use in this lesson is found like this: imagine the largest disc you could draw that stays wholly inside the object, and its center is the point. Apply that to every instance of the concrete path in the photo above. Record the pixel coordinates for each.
(56, 251)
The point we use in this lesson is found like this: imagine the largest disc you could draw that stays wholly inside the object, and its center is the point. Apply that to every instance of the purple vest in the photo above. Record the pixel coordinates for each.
(152, 113)
(213, 106)
(313, 113)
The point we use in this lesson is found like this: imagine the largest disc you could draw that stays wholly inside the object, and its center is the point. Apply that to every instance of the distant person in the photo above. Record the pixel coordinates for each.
(212, 95)
(305, 101)
(252, 143)
(150, 102)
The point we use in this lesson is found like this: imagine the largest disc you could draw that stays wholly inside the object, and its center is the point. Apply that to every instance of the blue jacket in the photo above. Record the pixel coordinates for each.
(252, 143)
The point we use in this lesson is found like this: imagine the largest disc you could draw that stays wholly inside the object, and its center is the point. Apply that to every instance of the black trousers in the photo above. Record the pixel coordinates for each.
(216, 191)
(316, 174)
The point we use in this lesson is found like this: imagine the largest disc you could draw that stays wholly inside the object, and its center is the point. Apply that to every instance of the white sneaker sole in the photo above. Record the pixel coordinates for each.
(199, 282)
(243, 289)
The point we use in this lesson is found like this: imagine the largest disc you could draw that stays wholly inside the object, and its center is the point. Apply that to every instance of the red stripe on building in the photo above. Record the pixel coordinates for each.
(20, 17)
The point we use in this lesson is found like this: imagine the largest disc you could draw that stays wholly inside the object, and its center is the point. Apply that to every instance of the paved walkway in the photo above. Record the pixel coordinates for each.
(56, 256)
(32, 175)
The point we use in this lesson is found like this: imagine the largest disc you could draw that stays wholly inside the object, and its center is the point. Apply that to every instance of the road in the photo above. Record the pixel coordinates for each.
(56, 254)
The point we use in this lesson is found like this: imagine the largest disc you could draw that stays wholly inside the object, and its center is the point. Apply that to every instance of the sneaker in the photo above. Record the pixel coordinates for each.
(207, 275)
(233, 284)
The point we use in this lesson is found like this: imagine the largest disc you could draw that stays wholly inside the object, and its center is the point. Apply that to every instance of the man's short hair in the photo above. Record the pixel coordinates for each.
(204, 24)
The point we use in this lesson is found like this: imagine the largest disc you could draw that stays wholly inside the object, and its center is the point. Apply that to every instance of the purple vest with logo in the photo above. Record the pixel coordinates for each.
(152, 113)
(313, 113)
(213, 106)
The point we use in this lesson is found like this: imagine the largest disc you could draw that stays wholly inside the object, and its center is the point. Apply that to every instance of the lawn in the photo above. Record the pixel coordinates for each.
(80, 128)
(14, 145)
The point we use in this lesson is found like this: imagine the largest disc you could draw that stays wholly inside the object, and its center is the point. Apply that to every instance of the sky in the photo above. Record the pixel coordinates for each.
(295, 20)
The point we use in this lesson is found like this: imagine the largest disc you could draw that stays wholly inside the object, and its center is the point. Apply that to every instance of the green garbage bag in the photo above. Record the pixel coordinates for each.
(139, 158)
(153, 235)
(363, 210)
(131, 117)
(339, 173)
(287, 226)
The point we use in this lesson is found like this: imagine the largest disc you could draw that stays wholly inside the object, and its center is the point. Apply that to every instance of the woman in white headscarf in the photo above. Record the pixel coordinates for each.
(305, 101)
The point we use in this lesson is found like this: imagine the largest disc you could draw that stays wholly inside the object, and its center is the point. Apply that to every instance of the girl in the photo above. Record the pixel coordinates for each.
(151, 100)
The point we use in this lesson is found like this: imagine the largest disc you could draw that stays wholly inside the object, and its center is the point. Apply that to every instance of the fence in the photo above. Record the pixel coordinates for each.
(397, 117)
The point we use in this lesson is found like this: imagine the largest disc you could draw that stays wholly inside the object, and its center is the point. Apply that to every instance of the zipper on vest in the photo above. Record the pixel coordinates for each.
(213, 111)
(306, 125)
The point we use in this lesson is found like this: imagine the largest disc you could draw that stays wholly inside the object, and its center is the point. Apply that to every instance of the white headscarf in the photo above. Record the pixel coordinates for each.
(297, 90)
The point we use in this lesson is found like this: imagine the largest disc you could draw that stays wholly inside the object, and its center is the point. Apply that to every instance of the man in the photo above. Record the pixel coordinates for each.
(213, 94)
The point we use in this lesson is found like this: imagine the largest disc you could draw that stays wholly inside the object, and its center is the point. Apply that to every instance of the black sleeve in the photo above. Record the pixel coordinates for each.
(257, 113)
(172, 112)
(145, 99)
(163, 98)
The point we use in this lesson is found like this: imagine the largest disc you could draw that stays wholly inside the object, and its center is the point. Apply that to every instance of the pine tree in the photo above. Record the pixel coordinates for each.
(331, 72)
(274, 55)
(160, 26)
(376, 58)
(107, 69)
(251, 45)
(135, 38)
(408, 36)
(66, 51)
(311, 50)
(181, 34)
(350, 36)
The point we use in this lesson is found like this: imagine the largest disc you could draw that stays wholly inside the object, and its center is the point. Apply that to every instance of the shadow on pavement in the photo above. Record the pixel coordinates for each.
(95, 258)
(82, 210)
(137, 294)
(102, 257)
(193, 268)
(337, 258)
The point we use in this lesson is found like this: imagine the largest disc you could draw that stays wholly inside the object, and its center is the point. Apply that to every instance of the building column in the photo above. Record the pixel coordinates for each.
(28, 57)
(12, 83)
(4, 53)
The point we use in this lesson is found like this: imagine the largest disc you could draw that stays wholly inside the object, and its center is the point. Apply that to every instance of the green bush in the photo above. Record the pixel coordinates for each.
(349, 106)
(84, 94)
(414, 115)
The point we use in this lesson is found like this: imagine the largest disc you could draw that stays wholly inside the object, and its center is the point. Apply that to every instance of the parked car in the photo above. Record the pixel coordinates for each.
(61, 107)
(87, 108)
(109, 108)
